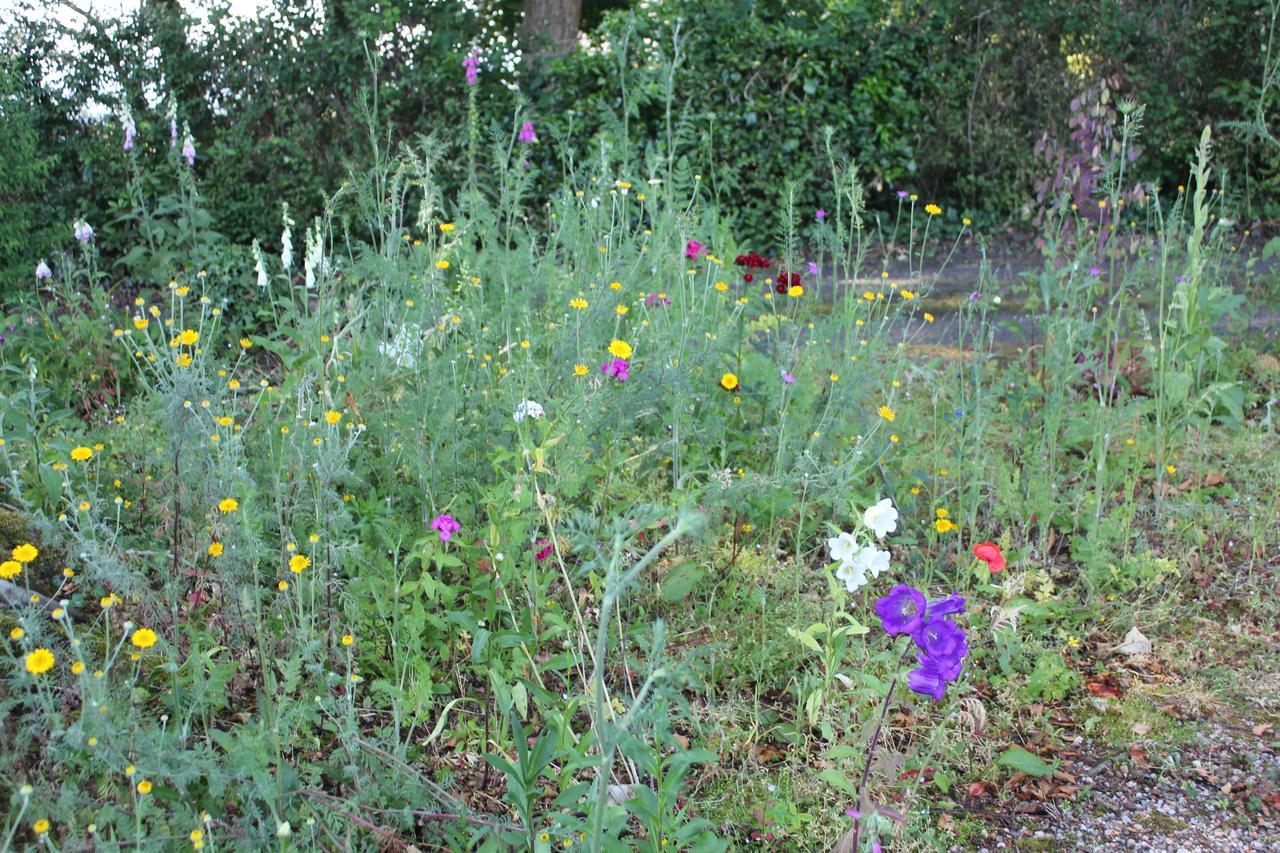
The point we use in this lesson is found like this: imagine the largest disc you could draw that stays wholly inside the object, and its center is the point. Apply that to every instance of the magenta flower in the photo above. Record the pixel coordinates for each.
(43, 271)
(813, 268)
(692, 249)
(788, 378)
(820, 214)
(446, 526)
(903, 194)
(653, 300)
(1095, 272)
(130, 131)
(544, 550)
(618, 368)
(472, 64)
(527, 134)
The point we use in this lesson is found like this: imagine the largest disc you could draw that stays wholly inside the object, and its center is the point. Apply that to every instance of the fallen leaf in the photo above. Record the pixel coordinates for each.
(893, 814)
(946, 823)
(1207, 775)
(619, 794)
(926, 774)
(1105, 685)
(1134, 644)
(1141, 729)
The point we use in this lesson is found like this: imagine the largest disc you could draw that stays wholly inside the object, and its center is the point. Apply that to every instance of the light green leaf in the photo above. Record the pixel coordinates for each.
(680, 581)
(1019, 759)
(842, 750)
(805, 639)
(839, 781)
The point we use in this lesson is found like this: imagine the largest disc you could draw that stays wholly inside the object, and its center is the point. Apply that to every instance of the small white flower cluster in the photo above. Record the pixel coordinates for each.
(286, 239)
(314, 263)
(860, 564)
(259, 265)
(403, 349)
(528, 409)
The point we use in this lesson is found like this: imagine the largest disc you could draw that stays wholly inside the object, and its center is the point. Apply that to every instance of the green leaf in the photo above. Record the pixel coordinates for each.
(1019, 759)
(1272, 249)
(444, 561)
(843, 750)
(839, 781)
(520, 699)
(854, 629)
(806, 639)
(680, 581)
(1178, 386)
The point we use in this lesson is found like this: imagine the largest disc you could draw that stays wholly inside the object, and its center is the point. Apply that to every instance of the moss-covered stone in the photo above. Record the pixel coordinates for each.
(44, 574)
(1162, 824)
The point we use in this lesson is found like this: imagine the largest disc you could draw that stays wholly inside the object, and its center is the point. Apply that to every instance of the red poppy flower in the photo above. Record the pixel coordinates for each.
(748, 277)
(989, 553)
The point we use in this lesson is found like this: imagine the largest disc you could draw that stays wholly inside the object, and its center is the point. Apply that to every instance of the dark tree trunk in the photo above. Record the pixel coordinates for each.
(551, 26)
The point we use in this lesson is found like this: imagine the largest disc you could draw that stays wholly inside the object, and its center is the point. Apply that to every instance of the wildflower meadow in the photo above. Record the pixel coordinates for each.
(522, 494)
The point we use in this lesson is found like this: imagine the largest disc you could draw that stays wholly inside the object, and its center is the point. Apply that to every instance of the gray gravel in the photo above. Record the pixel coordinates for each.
(1209, 794)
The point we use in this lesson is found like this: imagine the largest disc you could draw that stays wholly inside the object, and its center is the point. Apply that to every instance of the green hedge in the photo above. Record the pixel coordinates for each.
(947, 98)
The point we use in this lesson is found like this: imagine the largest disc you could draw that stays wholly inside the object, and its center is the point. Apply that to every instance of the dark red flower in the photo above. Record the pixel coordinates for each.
(751, 260)
(544, 549)
(748, 277)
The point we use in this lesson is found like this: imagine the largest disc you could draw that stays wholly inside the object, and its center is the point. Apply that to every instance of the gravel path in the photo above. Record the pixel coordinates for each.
(1218, 792)
(1007, 263)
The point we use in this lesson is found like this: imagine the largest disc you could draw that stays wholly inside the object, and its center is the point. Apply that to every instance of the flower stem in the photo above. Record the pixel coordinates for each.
(871, 751)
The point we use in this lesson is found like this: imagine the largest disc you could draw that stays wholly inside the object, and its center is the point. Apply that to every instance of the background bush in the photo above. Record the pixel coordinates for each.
(947, 97)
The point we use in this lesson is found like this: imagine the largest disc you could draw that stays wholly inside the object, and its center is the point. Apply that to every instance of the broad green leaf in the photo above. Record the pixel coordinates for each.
(1018, 758)
(839, 781)
(805, 639)
(681, 581)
